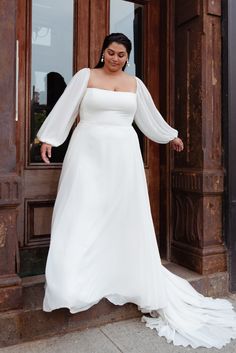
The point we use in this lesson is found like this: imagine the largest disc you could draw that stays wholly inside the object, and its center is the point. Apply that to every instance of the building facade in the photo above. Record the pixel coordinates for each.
(181, 50)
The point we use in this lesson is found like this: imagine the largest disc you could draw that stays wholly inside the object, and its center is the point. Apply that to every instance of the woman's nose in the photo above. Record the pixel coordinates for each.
(115, 57)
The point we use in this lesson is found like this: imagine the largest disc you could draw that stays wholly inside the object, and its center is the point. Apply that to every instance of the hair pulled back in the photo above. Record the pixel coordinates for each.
(119, 38)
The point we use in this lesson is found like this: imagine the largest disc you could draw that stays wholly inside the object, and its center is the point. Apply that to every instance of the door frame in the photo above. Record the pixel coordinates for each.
(229, 128)
(167, 109)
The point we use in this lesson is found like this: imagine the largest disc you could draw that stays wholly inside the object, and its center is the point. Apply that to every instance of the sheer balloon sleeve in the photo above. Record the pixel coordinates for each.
(148, 118)
(58, 123)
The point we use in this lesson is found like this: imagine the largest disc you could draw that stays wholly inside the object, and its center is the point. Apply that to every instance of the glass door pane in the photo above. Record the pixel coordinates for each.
(51, 65)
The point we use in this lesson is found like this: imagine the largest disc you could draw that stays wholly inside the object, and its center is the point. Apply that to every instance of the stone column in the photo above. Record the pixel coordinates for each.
(198, 175)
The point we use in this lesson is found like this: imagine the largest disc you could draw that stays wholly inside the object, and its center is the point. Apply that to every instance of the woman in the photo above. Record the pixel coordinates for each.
(103, 242)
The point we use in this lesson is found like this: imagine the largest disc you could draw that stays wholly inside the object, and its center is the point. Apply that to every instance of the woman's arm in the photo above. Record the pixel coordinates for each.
(150, 121)
(58, 123)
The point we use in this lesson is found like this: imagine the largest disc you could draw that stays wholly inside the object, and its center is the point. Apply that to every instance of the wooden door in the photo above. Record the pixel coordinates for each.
(55, 39)
(49, 34)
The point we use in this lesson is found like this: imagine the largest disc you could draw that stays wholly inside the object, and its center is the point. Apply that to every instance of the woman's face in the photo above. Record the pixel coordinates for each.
(115, 56)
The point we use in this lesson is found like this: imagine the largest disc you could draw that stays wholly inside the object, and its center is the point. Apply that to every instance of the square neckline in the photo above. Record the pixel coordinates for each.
(110, 90)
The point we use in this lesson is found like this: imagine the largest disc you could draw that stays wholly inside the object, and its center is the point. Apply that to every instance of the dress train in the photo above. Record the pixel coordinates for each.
(191, 318)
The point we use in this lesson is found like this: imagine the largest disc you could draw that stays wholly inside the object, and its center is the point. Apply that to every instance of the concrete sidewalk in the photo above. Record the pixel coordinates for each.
(129, 336)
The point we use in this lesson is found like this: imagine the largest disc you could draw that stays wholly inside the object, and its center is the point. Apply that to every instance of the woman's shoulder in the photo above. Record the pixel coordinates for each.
(131, 79)
(134, 78)
(83, 70)
(81, 74)
(129, 76)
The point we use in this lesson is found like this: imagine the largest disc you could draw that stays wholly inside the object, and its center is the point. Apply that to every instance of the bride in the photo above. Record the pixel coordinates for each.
(103, 243)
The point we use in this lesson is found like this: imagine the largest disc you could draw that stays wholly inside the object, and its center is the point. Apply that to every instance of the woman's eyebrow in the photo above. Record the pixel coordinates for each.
(120, 52)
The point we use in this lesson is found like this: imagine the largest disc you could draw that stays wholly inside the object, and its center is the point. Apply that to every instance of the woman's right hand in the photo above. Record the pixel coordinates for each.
(46, 152)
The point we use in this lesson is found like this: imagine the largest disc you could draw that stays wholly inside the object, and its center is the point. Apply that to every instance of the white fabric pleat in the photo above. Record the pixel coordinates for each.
(103, 242)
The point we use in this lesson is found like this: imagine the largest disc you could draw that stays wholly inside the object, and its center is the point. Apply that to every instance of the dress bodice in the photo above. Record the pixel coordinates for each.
(101, 106)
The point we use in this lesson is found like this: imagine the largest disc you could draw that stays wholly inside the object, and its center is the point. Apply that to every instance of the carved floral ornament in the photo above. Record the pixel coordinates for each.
(3, 234)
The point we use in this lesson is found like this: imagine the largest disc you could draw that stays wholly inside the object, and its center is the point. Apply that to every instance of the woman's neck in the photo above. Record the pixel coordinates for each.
(109, 72)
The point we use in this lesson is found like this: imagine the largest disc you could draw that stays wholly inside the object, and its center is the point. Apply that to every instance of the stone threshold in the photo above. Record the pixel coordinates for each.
(211, 285)
(31, 322)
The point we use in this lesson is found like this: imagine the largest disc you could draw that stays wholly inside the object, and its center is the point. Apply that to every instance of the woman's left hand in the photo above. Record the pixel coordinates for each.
(177, 144)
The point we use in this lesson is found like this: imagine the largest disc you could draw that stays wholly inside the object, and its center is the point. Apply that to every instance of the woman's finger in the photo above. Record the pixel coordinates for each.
(49, 149)
(44, 152)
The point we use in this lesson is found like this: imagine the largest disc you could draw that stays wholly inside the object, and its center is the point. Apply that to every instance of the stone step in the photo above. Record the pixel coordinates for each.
(213, 285)
(31, 322)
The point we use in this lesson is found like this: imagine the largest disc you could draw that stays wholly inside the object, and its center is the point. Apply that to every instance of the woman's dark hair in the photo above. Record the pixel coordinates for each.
(119, 38)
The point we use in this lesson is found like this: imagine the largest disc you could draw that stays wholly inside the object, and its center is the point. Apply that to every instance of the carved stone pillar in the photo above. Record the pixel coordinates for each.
(198, 176)
(10, 283)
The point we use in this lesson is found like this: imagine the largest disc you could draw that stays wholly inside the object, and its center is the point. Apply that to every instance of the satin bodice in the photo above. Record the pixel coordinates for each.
(101, 106)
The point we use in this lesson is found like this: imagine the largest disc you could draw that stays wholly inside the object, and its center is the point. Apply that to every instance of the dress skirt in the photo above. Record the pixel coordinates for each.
(103, 243)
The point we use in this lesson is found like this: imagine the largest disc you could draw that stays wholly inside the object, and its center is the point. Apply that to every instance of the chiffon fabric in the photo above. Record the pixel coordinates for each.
(103, 243)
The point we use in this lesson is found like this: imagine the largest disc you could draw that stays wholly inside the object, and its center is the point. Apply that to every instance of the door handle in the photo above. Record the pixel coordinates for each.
(17, 79)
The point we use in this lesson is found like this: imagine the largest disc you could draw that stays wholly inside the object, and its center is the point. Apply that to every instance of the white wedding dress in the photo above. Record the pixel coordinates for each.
(103, 243)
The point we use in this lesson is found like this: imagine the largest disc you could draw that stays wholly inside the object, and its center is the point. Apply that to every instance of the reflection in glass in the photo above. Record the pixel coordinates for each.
(52, 66)
(127, 17)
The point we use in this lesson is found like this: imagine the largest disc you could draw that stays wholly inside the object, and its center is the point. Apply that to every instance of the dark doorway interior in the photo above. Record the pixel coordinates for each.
(229, 128)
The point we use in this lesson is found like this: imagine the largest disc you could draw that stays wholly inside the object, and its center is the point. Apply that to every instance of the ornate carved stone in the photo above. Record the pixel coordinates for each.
(10, 190)
(198, 181)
